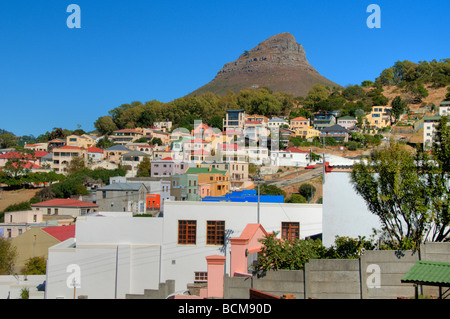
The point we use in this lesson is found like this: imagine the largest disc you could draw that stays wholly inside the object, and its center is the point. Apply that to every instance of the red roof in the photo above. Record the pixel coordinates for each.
(295, 150)
(167, 159)
(299, 119)
(64, 203)
(26, 165)
(40, 153)
(61, 233)
(95, 150)
(128, 130)
(16, 155)
(253, 122)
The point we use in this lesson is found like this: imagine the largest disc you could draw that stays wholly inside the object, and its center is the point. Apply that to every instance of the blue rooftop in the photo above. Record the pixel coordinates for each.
(243, 196)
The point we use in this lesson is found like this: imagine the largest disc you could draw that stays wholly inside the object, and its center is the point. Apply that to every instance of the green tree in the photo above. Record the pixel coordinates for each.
(296, 198)
(307, 190)
(393, 190)
(105, 125)
(76, 164)
(7, 140)
(8, 254)
(156, 141)
(398, 107)
(105, 143)
(349, 248)
(56, 133)
(145, 119)
(279, 254)
(216, 122)
(353, 92)
(144, 167)
(318, 93)
(386, 77)
(266, 189)
(35, 266)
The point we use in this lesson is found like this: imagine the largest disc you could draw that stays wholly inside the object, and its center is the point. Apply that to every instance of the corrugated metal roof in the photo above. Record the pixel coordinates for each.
(429, 273)
(122, 187)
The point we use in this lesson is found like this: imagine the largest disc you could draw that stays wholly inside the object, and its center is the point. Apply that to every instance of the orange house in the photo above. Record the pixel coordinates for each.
(153, 201)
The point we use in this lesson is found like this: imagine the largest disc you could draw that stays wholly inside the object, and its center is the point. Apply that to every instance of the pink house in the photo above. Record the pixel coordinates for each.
(204, 190)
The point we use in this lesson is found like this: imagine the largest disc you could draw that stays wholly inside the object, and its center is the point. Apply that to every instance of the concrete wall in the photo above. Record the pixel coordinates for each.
(376, 275)
(332, 279)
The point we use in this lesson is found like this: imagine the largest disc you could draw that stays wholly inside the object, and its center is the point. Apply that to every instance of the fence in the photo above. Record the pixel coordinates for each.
(375, 275)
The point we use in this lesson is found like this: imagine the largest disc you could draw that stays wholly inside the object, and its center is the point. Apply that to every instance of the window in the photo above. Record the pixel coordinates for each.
(290, 230)
(49, 211)
(215, 232)
(200, 276)
(187, 231)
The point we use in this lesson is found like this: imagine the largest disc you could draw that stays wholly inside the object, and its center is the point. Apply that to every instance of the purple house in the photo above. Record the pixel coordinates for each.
(168, 167)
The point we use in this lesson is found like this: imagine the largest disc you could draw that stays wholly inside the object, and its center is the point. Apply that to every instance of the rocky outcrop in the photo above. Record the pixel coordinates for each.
(278, 63)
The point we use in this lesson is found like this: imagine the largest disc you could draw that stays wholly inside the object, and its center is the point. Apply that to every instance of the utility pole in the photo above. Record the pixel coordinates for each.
(258, 180)
(323, 160)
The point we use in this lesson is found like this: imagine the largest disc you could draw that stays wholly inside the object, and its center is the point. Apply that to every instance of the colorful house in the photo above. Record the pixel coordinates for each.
(299, 123)
(219, 180)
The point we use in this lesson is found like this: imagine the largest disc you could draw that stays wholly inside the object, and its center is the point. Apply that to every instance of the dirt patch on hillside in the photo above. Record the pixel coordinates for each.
(9, 197)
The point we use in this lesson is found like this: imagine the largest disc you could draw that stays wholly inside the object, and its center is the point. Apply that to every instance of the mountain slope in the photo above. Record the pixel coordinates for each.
(278, 63)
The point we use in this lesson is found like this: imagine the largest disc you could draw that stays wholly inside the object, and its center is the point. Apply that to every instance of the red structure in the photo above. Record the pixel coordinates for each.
(153, 201)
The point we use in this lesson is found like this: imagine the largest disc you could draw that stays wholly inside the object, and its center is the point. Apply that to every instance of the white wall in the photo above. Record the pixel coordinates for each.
(181, 261)
(344, 212)
(122, 254)
(11, 286)
(116, 256)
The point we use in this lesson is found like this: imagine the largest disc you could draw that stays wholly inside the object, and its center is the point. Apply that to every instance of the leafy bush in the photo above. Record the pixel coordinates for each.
(296, 198)
(35, 266)
(307, 190)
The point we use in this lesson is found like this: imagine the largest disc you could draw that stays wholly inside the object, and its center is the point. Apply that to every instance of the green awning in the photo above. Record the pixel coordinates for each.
(429, 273)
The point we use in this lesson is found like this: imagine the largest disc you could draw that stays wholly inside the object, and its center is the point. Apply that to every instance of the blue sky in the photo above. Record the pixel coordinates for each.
(53, 76)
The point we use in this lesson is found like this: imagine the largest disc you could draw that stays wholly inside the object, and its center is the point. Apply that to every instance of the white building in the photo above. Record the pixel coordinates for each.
(277, 122)
(344, 211)
(290, 157)
(429, 130)
(444, 108)
(114, 256)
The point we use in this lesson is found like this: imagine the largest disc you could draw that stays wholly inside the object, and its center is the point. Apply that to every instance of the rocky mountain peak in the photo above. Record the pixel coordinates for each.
(278, 62)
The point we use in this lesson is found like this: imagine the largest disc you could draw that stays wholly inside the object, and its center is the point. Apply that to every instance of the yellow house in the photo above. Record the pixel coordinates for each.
(307, 133)
(64, 155)
(218, 180)
(36, 242)
(379, 117)
(82, 141)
